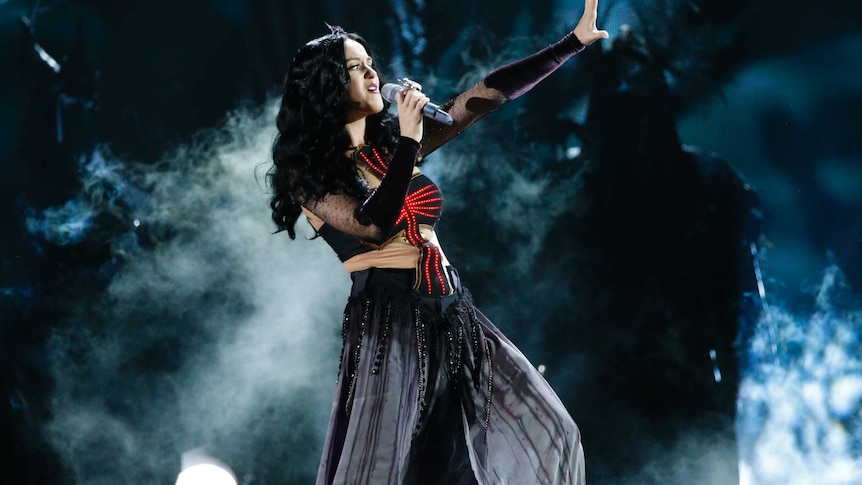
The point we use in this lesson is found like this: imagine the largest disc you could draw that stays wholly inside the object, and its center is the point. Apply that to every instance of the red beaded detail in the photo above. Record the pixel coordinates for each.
(422, 203)
(378, 165)
(431, 258)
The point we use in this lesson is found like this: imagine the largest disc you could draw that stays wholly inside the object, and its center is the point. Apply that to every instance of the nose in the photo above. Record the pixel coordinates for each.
(370, 73)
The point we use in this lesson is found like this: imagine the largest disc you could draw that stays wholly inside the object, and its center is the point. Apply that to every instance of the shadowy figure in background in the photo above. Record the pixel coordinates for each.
(56, 140)
(656, 250)
(57, 134)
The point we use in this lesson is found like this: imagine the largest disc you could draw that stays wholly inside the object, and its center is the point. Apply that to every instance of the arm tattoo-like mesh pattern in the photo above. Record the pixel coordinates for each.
(502, 84)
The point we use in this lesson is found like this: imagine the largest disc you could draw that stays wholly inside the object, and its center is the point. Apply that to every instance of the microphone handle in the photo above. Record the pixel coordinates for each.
(430, 110)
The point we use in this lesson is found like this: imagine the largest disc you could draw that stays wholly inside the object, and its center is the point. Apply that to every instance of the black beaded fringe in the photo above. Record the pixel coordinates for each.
(456, 329)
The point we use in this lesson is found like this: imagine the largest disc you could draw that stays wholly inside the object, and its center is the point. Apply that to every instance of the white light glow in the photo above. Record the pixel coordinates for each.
(801, 395)
(206, 474)
(53, 64)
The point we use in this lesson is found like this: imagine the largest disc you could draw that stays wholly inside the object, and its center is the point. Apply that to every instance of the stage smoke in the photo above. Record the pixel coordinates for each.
(212, 331)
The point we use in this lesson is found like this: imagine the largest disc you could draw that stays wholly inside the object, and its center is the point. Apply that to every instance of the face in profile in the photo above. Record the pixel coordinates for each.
(364, 90)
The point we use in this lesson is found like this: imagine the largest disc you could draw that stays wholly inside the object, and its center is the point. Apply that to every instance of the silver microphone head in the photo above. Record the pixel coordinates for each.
(389, 90)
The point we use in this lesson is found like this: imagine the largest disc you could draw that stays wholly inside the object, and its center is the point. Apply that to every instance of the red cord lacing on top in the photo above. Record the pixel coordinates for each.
(427, 202)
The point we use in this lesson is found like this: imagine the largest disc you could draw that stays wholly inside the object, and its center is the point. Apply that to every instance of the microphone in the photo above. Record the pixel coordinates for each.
(430, 110)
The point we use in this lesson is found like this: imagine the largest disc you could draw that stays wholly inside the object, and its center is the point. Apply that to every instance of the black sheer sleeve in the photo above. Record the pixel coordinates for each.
(384, 204)
(502, 84)
(373, 218)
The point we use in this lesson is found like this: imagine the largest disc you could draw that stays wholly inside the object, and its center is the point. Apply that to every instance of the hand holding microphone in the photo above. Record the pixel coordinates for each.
(410, 103)
(430, 110)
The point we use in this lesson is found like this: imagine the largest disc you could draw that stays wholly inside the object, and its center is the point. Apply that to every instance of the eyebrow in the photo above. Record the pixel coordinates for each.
(355, 59)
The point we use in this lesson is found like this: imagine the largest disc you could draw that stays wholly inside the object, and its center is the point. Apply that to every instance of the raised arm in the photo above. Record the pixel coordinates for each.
(511, 81)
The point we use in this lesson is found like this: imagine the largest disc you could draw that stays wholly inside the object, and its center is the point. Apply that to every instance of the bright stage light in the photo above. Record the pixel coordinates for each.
(206, 474)
(202, 469)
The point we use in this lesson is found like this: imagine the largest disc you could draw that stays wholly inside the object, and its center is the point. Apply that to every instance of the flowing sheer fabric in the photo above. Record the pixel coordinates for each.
(431, 396)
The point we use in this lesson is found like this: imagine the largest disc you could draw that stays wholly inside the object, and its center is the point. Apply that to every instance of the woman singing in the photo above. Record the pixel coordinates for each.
(429, 390)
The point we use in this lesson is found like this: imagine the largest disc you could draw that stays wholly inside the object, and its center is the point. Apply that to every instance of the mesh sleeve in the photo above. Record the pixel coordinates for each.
(518, 77)
(337, 210)
(465, 109)
(502, 84)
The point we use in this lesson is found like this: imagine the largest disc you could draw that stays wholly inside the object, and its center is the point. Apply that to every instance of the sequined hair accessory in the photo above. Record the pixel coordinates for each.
(335, 32)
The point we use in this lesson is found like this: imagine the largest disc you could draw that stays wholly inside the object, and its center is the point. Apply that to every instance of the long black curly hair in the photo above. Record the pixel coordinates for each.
(308, 151)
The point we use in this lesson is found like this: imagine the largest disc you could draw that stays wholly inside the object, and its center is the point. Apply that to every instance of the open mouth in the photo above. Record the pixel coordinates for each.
(373, 88)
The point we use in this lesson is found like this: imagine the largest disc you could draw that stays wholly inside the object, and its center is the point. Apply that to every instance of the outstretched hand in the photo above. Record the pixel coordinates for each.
(586, 30)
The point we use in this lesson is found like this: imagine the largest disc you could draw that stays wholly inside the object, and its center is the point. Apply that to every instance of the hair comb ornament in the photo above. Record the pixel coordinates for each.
(335, 32)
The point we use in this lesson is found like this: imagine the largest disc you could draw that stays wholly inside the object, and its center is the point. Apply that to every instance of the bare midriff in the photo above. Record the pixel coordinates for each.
(395, 253)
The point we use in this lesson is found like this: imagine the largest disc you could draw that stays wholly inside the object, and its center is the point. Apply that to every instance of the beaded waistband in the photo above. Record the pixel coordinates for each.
(403, 279)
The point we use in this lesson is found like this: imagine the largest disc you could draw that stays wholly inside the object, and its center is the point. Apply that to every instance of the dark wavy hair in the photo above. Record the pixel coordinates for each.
(308, 151)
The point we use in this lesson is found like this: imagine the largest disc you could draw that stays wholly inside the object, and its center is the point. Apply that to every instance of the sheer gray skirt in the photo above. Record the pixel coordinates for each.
(431, 392)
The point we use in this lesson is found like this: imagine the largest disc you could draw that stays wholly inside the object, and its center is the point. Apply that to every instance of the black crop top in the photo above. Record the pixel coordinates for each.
(423, 205)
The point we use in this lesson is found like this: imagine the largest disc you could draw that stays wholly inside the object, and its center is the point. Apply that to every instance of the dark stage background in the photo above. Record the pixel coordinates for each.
(669, 225)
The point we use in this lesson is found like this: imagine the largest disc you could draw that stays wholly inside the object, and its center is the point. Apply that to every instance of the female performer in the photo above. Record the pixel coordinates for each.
(429, 390)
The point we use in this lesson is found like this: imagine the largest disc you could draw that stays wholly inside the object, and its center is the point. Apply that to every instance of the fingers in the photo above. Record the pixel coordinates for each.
(410, 104)
(586, 30)
(411, 100)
